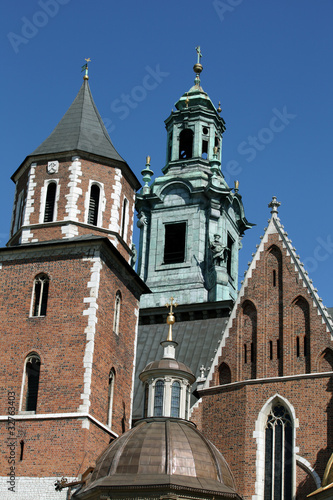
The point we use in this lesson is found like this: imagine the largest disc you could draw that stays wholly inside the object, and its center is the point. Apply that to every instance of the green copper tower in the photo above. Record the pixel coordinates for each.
(191, 223)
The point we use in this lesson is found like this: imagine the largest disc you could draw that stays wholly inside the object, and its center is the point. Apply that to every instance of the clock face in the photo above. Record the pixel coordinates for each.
(52, 167)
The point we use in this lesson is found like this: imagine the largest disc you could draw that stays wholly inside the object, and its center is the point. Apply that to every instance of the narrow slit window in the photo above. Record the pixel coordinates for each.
(124, 218)
(274, 278)
(145, 406)
(40, 295)
(278, 348)
(270, 349)
(297, 347)
(50, 202)
(252, 352)
(230, 245)
(110, 396)
(305, 346)
(21, 449)
(174, 246)
(116, 317)
(245, 353)
(93, 205)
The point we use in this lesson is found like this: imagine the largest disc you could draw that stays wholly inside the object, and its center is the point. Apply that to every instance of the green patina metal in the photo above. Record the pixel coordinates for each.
(193, 194)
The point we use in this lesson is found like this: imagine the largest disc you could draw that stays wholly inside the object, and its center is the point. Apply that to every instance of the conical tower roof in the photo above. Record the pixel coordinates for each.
(80, 129)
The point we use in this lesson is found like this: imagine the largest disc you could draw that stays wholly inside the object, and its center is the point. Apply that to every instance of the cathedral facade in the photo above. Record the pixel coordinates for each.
(80, 325)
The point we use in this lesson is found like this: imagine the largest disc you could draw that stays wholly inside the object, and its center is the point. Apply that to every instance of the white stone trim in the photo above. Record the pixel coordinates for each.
(18, 210)
(309, 469)
(90, 330)
(74, 190)
(70, 231)
(259, 435)
(33, 488)
(29, 207)
(115, 196)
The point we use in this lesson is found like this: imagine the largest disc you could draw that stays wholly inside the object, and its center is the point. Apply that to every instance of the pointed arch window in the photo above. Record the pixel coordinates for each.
(93, 205)
(50, 202)
(116, 316)
(112, 377)
(40, 295)
(278, 454)
(31, 382)
(158, 398)
(175, 399)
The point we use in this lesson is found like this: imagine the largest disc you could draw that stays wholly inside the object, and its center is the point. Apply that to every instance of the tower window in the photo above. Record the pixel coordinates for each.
(204, 149)
(50, 202)
(40, 295)
(245, 353)
(32, 370)
(278, 455)
(174, 245)
(93, 205)
(110, 396)
(145, 406)
(158, 399)
(169, 147)
(175, 399)
(270, 349)
(297, 347)
(274, 277)
(186, 144)
(124, 219)
(230, 244)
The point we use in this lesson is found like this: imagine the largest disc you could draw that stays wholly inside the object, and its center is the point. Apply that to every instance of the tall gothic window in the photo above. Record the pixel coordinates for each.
(158, 399)
(93, 205)
(278, 454)
(39, 296)
(175, 399)
(50, 202)
(31, 382)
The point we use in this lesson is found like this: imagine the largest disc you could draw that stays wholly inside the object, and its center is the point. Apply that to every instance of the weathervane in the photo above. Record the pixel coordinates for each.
(199, 54)
(85, 69)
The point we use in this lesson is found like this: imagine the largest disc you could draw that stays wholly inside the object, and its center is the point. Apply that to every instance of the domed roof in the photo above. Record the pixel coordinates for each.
(166, 364)
(162, 454)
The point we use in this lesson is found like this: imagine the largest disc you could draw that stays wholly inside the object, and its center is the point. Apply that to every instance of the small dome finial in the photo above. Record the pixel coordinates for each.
(85, 69)
(171, 318)
(274, 205)
(197, 68)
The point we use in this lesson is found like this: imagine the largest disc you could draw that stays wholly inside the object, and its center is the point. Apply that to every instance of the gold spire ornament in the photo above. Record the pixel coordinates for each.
(171, 318)
(85, 69)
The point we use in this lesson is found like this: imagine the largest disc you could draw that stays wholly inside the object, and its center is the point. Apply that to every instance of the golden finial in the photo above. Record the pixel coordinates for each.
(85, 69)
(187, 100)
(197, 68)
(148, 161)
(219, 109)
(236, 186)
(171, 318)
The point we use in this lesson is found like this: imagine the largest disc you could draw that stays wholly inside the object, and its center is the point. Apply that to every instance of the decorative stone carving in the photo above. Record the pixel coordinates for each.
(52, 167)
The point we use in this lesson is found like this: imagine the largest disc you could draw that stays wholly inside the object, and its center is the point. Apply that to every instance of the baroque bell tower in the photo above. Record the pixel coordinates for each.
(191, 222)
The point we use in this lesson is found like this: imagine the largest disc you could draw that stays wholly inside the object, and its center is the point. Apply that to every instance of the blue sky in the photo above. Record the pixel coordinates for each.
(262, 59)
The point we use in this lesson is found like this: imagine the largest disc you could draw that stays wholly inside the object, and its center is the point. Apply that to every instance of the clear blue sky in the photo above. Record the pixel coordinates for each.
(262, 59)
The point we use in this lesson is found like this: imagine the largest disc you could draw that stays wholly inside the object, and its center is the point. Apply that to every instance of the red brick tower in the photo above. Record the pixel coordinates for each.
(267, 401)
(69, 306)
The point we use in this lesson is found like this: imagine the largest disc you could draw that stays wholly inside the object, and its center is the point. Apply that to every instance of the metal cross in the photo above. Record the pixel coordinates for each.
(199, 53)
(171, 305)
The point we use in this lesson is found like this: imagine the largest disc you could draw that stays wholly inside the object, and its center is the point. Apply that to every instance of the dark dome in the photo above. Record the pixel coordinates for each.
(161, 454)
(166, 364)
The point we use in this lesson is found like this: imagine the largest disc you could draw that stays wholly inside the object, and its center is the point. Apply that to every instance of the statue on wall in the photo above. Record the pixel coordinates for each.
(219, 252)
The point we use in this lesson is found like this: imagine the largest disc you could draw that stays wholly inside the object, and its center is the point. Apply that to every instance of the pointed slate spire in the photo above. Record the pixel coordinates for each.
(80, 129)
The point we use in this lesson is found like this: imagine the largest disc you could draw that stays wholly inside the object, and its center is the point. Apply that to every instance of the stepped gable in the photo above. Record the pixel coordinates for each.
(296, 285)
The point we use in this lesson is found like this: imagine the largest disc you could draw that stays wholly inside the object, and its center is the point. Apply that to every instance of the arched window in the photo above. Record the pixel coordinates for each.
(93, 205)
(186, 144)
(158, 398)
(116, 316)
(224, 374)
(39, 295)
(50, 202)
(175, 399)
(112, 377)
(31, 382)
(278, 454)
(145, 405)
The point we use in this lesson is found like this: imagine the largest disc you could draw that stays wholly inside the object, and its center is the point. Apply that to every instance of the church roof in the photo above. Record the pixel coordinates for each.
(80, 129)
(163, 454)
